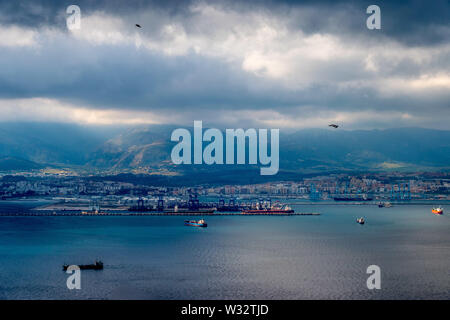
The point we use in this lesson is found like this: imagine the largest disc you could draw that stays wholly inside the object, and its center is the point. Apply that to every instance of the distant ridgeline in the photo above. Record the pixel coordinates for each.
(236, 147)
(147, 149)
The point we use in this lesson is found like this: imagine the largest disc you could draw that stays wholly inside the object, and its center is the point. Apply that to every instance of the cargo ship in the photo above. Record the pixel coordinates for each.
(232, 206)
(194, 223)
(438, 211)
(98, 265)
(272, 210)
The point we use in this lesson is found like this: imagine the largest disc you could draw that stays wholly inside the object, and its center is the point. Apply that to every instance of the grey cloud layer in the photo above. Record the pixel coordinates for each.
(415, 21)
(295, 59)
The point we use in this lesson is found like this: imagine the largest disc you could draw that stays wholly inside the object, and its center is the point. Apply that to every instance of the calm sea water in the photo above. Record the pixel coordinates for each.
(266, 257)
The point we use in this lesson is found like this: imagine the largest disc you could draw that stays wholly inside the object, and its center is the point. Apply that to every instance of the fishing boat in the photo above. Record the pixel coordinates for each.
(360, 220)
(437, 211)
(195, 223)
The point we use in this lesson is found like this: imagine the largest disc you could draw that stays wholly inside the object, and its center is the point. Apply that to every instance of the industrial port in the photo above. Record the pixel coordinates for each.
(166, 207)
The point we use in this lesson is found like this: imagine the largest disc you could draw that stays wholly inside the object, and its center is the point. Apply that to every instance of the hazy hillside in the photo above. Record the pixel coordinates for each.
(52, 143)
(312, 149)
(10, 164)
(133, 148)
(383, 149)
(149, 147)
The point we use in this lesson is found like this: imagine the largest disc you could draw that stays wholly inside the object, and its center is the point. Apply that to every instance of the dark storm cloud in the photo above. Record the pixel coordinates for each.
(110, 71)
(416, 22)
(125, 77)
(35, 13)
(139, 81)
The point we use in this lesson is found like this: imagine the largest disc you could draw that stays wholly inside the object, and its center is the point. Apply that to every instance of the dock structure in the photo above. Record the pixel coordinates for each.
(167, 214)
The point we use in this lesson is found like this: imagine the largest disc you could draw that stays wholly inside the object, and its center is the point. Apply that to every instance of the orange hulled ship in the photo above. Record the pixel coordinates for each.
(437, 210)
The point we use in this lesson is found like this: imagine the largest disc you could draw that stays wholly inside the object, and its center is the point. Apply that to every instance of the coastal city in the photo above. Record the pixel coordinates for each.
(335, 187)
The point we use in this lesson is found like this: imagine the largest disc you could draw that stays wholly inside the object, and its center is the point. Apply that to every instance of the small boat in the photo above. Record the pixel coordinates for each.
(98, 265)
(195, 223)
(437, 211)
(384, 205)
(360, 220)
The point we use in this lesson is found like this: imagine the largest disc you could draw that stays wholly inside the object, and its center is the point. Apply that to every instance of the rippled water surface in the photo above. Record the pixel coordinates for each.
(236, 257)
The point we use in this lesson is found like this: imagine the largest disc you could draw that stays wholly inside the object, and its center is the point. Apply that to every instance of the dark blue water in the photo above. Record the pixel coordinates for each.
(239, 257)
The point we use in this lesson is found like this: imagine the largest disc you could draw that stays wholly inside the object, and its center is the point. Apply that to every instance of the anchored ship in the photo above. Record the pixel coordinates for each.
(195, 223)
(98, 265)
(232, 206)
(275, 209)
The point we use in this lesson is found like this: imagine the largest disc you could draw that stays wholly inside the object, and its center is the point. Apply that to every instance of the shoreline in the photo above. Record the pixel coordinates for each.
(51, 213)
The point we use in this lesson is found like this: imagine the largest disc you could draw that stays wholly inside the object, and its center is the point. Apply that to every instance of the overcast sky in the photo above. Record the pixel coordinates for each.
(292, 64)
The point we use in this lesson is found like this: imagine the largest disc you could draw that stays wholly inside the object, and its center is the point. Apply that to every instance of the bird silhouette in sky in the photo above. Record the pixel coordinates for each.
(334, 125)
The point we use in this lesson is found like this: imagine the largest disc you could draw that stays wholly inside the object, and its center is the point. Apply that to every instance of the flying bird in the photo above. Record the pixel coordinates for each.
(138, 25)
(334, 125)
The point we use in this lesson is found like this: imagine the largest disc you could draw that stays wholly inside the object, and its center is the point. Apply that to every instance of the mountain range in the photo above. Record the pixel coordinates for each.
(146, 149)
